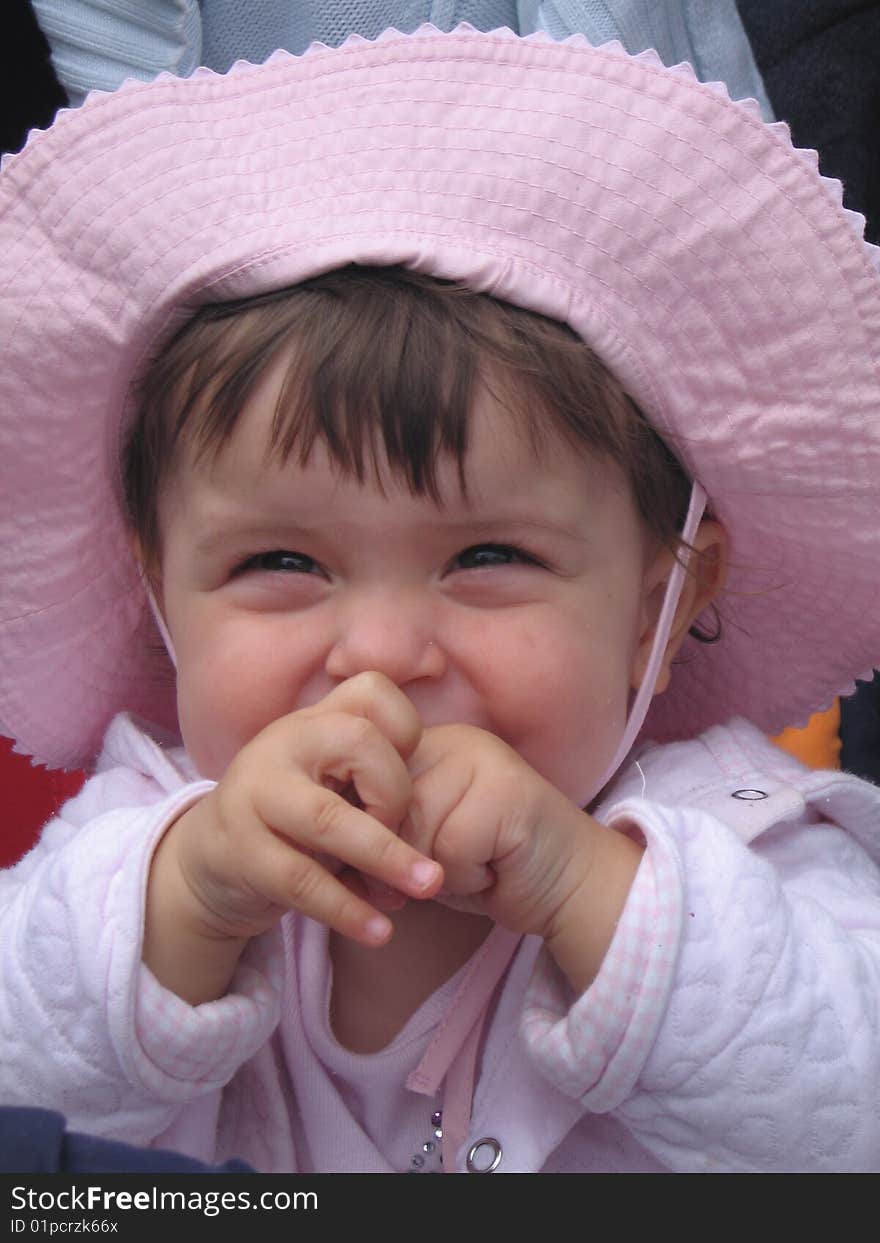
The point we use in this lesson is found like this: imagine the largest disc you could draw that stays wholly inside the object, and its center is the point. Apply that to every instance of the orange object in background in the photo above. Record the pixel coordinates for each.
(818, 743)
(29, 796)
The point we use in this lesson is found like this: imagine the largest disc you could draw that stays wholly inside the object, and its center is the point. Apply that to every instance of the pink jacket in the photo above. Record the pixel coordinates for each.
(735, 1024)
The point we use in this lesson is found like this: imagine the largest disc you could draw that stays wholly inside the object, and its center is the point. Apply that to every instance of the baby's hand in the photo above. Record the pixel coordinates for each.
(276, 830)
(513, 847)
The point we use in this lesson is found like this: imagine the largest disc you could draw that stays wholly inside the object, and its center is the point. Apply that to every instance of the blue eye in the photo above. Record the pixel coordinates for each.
(487, 556)
(282, 561)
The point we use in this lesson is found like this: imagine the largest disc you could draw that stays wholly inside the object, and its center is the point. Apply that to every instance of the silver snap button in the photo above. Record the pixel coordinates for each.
(750, 796)
(484, 1156)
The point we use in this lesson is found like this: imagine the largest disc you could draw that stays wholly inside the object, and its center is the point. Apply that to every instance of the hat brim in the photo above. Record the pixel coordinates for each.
(690, 244)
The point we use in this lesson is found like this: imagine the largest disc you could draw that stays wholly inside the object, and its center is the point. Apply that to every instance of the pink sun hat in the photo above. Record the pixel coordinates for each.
(699, 253)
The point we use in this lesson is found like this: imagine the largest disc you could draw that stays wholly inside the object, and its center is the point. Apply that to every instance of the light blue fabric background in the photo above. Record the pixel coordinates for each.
(708, 34)
(96, 44)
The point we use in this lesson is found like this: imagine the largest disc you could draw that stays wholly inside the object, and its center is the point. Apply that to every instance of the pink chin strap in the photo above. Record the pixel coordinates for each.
(642, 702)
(451, 1058)
(159, 620)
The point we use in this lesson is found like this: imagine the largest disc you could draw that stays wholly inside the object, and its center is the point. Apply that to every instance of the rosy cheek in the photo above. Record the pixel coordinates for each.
(565, 708)
(254, 671)
(218, 713)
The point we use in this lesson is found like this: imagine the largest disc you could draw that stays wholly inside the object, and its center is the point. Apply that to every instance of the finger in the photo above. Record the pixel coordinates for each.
(449, 821)
(319, 821)
(292, 880)
(355, 759)
(463, 879)
(460, 852)
(376, 698)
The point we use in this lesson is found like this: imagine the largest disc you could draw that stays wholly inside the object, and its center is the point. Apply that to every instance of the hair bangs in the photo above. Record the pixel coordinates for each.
(380, 367)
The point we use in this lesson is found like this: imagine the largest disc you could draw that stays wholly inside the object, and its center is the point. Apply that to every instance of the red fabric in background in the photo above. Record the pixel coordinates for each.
(29, 796)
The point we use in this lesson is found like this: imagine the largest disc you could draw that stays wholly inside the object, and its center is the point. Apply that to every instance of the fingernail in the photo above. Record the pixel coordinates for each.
(378, 928)
(423, 873)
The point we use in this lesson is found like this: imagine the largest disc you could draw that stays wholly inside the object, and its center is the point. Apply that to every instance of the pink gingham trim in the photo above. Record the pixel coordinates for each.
(596, 1050)
(205, 1045)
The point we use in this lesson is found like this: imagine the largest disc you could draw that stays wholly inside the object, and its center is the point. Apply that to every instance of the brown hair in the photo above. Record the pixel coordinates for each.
(386, 362)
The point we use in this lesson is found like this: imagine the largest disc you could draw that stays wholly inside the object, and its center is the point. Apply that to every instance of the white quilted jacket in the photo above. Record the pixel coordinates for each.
(752, 1037)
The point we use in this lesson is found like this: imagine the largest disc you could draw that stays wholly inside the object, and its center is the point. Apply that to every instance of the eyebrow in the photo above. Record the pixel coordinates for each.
(218, 538)
(508, 522)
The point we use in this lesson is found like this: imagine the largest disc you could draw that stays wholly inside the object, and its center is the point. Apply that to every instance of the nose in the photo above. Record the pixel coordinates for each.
(388, 631)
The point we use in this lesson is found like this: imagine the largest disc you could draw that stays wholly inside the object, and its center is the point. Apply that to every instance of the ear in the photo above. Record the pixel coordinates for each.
(704, 579)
